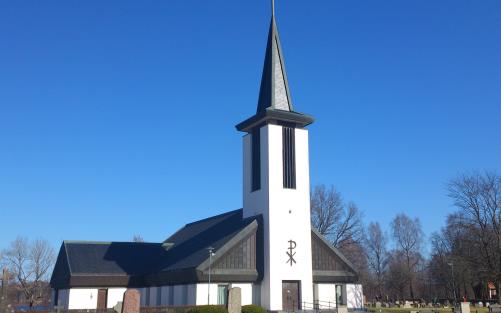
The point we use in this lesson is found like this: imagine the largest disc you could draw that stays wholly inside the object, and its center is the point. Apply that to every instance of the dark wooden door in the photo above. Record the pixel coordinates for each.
(291, 300)
(102, 295)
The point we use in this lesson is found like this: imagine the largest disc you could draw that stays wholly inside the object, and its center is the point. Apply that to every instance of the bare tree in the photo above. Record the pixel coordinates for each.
(137, 238)
(397, 276)
(4, 289)
(408, 238)
(340, 223)
(30, 264)
(375, 244)
(478, 197)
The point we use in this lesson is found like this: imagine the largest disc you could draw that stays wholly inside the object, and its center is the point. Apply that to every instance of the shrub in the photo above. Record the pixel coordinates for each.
(253, 309)
(207, 309)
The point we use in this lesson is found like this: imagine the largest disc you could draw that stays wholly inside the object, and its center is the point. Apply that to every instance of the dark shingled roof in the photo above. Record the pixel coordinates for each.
(180, 259)
(82, 263)
(127, 258)
(190, 243)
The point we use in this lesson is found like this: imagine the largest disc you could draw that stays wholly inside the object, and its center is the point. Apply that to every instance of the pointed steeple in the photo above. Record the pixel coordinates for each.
(274, 92)
(274, 103)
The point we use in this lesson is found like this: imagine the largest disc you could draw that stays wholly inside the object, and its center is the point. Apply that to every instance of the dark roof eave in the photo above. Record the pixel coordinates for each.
(192, 275)
(99, 281)
(269, 115)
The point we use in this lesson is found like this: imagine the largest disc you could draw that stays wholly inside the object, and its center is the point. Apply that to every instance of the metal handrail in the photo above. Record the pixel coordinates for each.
(318, 305)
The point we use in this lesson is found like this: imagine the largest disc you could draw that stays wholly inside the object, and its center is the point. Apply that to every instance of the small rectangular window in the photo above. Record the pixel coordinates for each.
(289, 157)
(222, 294)
(339, 295)
(256, 159)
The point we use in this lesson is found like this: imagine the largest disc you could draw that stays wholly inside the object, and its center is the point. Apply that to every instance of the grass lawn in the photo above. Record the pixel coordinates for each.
(439, 310)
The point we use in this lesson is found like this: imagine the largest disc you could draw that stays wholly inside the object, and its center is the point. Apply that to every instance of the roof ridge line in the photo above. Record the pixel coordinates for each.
(214, 216)
(107, 242)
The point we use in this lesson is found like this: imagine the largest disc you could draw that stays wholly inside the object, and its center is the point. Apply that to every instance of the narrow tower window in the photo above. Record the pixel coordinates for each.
(289, 157)
(256, 159)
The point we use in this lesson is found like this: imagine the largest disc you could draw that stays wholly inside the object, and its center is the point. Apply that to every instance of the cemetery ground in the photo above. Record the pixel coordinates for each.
(426, 310)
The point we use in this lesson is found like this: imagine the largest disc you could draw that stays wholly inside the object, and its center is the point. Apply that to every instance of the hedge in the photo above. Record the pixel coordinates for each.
(208, 309)
(253, 309)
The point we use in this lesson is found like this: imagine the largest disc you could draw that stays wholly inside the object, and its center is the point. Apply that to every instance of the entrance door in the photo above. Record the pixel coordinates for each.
(102, 295)
(291, 300)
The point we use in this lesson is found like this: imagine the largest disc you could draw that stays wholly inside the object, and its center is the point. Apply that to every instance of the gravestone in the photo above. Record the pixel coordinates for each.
(118, 307)
(479, 304)
(465, 307)
(407, 305)
(378, 305)
(132, 301)
(234, 300)
(495, 308)
(342, 309)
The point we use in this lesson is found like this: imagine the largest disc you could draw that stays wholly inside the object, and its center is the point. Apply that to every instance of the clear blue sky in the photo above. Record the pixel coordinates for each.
(117, 117)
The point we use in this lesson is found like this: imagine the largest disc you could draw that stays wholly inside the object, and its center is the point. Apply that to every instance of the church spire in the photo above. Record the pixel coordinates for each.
(274, 103)
(274, 92)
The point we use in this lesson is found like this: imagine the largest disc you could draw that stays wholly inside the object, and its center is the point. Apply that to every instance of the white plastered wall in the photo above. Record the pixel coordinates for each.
(286, 214)
(354, 296)
(142, 299)
(246, 292)
(202, 294)
(325, 294)
(202, 290)
(115, 295)
(165, 296)
(82, 298)
(153, 296)
(168, 295)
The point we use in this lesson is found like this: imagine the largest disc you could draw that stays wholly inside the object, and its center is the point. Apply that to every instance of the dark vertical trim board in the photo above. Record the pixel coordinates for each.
(289, 157)
(256, 159)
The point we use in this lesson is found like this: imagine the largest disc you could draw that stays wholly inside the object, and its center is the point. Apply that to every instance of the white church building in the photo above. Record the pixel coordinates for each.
(268, 248)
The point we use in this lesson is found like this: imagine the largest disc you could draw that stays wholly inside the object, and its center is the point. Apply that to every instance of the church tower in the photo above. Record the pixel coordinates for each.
(277, 185)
